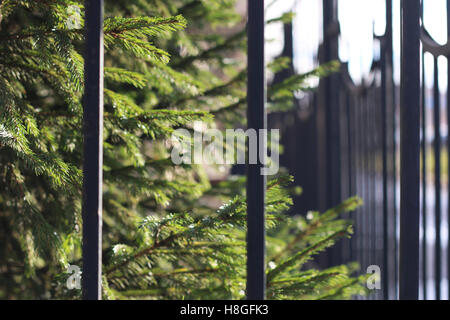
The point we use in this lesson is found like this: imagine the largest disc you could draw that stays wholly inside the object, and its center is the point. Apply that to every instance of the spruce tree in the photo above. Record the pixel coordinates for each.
(164, 237)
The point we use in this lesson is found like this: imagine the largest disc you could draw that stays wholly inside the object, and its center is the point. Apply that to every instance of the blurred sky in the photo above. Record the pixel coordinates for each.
(359, 19)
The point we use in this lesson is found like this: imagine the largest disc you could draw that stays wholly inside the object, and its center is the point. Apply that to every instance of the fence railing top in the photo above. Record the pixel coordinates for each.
(366, 83)
(430, 45)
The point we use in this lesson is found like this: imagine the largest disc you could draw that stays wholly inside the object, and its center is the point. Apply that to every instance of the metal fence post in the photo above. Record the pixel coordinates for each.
(424, 180)
(437, 145)
(448, 143)
(93, 151)
(331, 184)
(256, 182)
(410, 150)
(331, 52)
(387, 111)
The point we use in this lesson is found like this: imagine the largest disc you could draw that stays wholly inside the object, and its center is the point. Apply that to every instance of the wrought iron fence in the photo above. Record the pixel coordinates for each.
(376, 139)
(435, 188)
(359, 148)
(358, 152)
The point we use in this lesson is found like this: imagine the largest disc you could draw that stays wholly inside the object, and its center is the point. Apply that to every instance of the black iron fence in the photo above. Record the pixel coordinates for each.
(386, 142)
(357, 125)
(435, 162)
(364, 143)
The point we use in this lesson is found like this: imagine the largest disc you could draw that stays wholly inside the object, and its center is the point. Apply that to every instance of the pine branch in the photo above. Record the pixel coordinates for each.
(347, 206)
(304, 255)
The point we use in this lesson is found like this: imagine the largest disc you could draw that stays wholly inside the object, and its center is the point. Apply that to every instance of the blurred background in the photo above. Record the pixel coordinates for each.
(364, 142)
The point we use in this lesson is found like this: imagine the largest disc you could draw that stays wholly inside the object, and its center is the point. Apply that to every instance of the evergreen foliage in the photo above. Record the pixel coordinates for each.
(163, 235)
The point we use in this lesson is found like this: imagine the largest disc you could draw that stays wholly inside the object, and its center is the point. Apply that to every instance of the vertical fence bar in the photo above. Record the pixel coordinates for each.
(350, 163)
(384, 138)
(331, 32)
(364, 193)
(367, 177)
(256, 182)
(360, 215)
(330, 53)
(395, 170)
(351, 166)
(386, 95)
(437, 178)
(93, 151)
(424, 171)
(347, 164)
(392, 115)
(448, 151)
(372, 174)
(369, 173)
(410, 150)
(378, 185)
(363, 180)
(424, 183)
